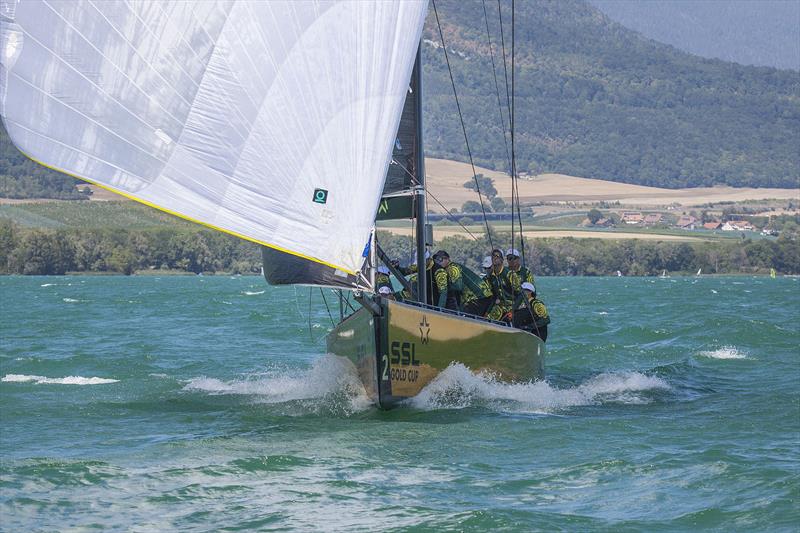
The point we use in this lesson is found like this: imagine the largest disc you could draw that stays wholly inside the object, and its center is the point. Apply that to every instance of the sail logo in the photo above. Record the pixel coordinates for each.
(424, 330)
(384, 207)
(320, 196)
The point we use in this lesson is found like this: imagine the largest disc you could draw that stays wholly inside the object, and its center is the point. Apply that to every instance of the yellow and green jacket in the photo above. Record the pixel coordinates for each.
(459, 283)
(522, 275)
(382, 280)
(505, 285)
(540, 316)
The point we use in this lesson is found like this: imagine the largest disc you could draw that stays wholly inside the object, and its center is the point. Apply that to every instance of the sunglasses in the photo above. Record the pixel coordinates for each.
(511, 257)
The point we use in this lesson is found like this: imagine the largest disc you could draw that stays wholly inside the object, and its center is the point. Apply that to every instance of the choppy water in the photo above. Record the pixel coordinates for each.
(205, 403)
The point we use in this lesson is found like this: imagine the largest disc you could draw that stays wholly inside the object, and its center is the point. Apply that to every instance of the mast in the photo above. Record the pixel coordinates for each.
(419, 190)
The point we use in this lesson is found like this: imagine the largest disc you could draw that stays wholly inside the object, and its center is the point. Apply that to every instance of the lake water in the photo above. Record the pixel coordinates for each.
(206, 404)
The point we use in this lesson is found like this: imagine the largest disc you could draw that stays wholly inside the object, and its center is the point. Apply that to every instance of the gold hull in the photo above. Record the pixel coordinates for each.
(399, 352)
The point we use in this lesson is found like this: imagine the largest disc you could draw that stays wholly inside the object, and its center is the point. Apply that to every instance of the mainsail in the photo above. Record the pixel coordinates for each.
(273, 121)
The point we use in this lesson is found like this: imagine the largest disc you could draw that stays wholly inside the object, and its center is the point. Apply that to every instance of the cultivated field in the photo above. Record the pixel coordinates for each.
(450, 231)
(445, 179)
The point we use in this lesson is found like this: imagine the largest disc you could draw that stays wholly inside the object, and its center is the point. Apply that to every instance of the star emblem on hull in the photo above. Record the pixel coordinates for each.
(424, 330)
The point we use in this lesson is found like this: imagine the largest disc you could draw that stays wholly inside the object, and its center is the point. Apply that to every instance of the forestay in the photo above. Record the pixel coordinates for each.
(273, 121)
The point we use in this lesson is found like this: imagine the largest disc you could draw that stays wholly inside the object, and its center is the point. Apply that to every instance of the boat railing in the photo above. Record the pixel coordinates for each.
(456, 313)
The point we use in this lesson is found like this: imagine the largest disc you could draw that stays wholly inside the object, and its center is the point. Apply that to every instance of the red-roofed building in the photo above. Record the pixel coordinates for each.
(652, 218)
(632, 218)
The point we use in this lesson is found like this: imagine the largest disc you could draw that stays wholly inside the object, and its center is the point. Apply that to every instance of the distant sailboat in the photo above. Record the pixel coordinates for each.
(699, 271)
(663, 274)
(619, 274)
(772, 273)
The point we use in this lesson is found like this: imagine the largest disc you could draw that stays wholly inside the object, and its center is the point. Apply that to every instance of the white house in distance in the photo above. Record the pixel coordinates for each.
(632, 218)
(738, 225)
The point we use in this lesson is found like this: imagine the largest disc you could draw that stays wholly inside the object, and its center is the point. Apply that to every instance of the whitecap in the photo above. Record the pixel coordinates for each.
(458, 387)
(331, 383)
(47, 284)
(715, 292)
(726, 352)
(253, 293)
(69, 380)
(602, 312)
(71, 300)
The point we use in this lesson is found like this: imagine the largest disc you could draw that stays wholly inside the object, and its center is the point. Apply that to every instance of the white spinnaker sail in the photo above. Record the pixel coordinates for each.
(271, 120)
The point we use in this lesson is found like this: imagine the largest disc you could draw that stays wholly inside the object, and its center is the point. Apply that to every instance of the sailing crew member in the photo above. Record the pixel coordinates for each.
(515, 265)
(412, 280)
(503, 283)
(486, 265)
(458, 287)
(382, 278)
(412, 268)
(530, 312)
(386, 292)
(443, 296)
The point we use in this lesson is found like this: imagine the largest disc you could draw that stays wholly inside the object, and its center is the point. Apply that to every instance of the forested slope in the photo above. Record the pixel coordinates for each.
(597, 100)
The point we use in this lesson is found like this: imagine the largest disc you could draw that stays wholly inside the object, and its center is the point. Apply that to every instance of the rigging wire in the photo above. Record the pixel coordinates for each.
(429, 193)
(515, 177)
(496, 87)
(510, 100)
(508, 106)
(451, 217)
(463, 127)
(326, 306)
(310, 335)
(510, 103)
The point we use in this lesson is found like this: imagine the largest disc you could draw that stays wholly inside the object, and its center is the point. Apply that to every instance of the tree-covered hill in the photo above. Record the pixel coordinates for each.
(595, 99)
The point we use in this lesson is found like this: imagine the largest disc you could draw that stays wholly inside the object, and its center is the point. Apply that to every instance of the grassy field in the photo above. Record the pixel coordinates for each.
(130, 215)
(542, 232)
(445, 179)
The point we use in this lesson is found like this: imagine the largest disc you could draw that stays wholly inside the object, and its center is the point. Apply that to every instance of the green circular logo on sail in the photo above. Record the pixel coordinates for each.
(320, 196)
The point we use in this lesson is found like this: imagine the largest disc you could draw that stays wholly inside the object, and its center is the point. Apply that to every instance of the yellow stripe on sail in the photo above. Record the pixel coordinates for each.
(190, 219)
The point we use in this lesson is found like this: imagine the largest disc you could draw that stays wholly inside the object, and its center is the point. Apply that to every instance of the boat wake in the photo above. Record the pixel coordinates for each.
(458, 387)
(331, 385)
(69, 380)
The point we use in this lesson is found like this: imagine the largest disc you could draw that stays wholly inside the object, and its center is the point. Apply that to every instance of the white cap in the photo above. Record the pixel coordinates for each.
(487, 262)
(384, 290)
(513, 251)
(383, 269)
(528, 286)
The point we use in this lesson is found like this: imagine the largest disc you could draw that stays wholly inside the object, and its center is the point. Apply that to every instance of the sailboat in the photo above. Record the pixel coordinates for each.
(699, 271)
(288, 124)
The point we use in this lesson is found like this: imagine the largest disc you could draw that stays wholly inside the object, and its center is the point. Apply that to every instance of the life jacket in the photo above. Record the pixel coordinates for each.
(382, 280)
(440, 285)
(504, 285)
(522, 275)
